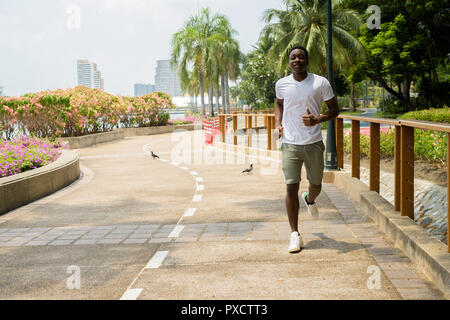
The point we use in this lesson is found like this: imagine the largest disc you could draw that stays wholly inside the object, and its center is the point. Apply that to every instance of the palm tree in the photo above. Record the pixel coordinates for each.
(304, 22)
(189, 83)
(195, 46)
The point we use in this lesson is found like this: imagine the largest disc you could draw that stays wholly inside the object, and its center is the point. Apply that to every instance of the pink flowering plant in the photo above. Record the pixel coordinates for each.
(79, 111)
(25, 153)
(187, 120)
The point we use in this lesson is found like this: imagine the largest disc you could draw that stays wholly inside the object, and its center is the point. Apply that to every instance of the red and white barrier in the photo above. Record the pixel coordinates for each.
(211, 129)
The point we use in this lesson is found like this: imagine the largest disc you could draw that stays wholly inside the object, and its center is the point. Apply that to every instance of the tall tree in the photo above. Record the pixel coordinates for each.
(303, 22)
(412, 43)
(196, 46)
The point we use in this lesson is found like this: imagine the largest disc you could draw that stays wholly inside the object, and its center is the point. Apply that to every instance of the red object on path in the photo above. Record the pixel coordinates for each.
(208, 130)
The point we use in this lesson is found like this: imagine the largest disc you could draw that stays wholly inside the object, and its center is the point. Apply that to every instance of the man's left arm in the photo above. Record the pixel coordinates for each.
(333, 111)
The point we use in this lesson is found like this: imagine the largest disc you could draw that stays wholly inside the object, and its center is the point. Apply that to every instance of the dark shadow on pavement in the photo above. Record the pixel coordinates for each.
(329, 243)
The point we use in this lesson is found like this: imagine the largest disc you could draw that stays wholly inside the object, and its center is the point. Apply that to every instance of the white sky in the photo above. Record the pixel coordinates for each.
(38, 50)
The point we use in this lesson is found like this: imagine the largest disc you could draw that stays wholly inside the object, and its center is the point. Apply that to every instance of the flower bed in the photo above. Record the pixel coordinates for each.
(80, 111)
(187, 120)
(26, 153)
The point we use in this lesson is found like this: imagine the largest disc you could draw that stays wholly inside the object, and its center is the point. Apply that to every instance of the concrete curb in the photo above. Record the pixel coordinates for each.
(26, 187)
(118, 134)
(89, 140)
(428, 253)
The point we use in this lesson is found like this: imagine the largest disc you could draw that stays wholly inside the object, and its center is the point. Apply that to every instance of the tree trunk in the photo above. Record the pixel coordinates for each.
(227, 93)
(210, 98)
(202, 93)
(399, 95)
(222, 93)
(407, 93)
(352, 97)
(195, 103)
(217, 101)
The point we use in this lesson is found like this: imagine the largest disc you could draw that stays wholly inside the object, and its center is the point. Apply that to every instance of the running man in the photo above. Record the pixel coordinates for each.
(297, 119)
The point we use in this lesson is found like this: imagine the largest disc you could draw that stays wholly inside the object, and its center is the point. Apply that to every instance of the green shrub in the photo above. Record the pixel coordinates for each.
(428, 145)
(435, 115)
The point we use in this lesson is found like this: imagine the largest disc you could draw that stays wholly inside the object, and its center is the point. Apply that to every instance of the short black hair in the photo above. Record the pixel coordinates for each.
(301, 48)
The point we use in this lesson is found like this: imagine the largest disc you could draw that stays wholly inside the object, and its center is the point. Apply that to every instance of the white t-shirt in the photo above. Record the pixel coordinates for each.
(297, 96)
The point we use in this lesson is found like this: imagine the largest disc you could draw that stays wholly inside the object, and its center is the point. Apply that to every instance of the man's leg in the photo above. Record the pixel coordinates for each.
(292, 205)
(314, 165)
(313, 191)
(292, 166)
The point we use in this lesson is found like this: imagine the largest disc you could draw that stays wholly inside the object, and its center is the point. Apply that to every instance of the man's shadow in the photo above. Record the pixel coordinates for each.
(330, 243)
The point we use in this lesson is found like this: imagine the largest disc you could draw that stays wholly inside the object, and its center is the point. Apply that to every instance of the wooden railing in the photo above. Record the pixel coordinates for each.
(250, 123)
(403, 154)
(403, 157)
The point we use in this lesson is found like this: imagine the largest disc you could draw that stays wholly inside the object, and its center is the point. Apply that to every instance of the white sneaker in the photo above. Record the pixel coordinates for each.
(296, 242)
(312, 208)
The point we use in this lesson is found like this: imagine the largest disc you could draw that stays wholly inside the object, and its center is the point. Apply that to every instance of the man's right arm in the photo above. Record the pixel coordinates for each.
(279, 116)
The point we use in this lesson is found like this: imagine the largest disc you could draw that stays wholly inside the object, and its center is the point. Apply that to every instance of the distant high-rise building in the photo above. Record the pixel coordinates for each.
(166, 79)
(89, 76)
(1, 90)
(142, 88)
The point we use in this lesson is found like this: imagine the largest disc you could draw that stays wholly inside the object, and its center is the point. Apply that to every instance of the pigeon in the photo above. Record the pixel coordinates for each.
(154, 155)
(249, 169)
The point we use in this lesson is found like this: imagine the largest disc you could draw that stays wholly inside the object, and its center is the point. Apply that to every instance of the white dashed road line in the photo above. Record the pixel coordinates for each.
(131, 294)
(190, 212)
(197, 198)
(176, 231)
(157, 259)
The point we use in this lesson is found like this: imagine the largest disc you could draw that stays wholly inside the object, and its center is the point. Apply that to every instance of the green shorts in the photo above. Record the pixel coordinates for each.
(292, 159)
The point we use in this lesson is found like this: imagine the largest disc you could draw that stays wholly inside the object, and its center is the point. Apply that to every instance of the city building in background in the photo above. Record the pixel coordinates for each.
(89, 75)
(1, 90)
(142, 88)
(166, 79)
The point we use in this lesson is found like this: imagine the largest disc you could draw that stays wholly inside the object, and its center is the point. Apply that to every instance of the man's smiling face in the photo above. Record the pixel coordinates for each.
(298, 60)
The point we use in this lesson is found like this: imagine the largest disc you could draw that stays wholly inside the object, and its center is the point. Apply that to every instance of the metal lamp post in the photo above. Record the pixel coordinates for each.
(331, 154)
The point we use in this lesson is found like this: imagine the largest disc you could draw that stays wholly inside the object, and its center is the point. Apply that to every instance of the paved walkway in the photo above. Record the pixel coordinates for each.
(137, 228)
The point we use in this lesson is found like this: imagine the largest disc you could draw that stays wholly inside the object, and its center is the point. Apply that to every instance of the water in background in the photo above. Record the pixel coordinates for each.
(176, 115)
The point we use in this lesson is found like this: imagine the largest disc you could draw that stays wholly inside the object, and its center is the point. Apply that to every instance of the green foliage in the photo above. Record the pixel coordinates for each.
(258, 78)
(412, 46)
(435, 115)
(429, 145)
(79, 111)
(304, 23)
(163, 118)
(394, 106)
(206, 54)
